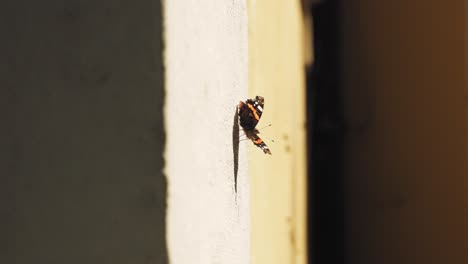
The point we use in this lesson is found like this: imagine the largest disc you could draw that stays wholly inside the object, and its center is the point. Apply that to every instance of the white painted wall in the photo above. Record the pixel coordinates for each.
(206, 76)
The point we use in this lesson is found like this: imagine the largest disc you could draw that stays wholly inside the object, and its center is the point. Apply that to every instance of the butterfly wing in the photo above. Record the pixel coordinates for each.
(250, 112)
(261, 144)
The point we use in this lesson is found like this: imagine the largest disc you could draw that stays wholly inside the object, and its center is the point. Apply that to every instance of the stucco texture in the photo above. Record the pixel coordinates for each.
(206, 73)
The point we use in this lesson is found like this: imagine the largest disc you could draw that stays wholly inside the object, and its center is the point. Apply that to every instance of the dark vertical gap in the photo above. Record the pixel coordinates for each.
(325, 137)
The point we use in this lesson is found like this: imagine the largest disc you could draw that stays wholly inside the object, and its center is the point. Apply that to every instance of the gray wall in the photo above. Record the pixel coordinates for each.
(82, 132)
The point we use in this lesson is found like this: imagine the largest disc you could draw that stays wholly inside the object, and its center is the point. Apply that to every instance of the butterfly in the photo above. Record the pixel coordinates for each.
(250, 113)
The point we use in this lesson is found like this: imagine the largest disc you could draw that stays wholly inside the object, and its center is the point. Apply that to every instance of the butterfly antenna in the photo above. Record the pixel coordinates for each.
(270, 139)
(243, 132)
(266, 137)
(265, 127)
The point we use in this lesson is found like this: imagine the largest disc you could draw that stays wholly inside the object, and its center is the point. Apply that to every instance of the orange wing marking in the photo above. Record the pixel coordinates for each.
(254, 111)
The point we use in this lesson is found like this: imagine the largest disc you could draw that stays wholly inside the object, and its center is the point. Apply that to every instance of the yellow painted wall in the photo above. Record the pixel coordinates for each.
(278, 182)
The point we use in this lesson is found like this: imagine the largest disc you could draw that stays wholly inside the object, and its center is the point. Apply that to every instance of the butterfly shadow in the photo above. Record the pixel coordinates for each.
(235, 146)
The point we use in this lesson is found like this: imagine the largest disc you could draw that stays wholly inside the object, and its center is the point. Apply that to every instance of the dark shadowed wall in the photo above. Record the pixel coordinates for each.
(81, 97)
(405, 156)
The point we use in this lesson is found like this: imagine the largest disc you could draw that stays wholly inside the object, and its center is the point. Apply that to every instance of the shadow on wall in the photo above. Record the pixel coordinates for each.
(82, 133)
(388, 145)
(235, 145)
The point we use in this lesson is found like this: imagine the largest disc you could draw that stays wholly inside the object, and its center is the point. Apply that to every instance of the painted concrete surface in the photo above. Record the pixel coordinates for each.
(206, 73)
(278, 182)
(82, 133)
